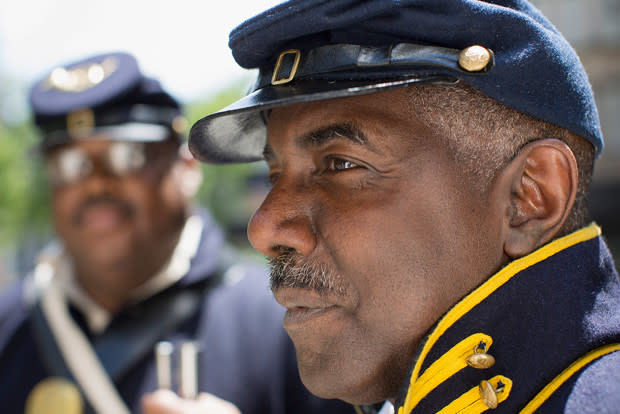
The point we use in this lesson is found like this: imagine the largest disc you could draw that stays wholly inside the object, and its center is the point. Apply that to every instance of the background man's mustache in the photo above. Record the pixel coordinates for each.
(126, 208)
(290, 270)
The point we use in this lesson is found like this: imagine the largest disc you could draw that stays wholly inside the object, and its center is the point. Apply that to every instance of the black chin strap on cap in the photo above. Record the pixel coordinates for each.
(368, 62)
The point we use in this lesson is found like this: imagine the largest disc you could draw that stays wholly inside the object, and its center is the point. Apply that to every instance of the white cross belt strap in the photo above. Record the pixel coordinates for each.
(78, 355)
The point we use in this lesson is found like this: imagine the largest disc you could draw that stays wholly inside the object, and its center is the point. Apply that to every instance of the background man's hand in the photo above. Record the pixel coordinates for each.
(167, 402)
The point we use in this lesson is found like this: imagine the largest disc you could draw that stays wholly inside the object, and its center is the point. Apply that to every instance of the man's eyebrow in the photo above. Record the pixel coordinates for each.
(336, 131)
(324, 135)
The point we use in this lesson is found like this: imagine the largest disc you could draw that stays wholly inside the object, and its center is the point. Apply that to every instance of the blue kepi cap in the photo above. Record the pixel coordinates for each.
(312, 50)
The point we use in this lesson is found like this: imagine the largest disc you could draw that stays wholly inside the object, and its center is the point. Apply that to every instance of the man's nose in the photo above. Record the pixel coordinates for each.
(100, 179)
(283, 221)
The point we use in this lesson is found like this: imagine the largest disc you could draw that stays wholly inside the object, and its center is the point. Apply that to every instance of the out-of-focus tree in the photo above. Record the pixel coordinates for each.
(23, 194)
(24, 214)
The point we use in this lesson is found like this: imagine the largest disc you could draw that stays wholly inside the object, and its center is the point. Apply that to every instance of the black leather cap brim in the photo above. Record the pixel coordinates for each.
(237, 133)
(130, 132)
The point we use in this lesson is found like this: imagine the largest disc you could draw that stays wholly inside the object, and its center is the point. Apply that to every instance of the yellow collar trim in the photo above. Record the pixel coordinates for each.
(447, 365)
(471, 402)
(486, 289)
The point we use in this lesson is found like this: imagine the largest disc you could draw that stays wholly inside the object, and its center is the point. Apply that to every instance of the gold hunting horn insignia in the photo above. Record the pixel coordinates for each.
(82, 77)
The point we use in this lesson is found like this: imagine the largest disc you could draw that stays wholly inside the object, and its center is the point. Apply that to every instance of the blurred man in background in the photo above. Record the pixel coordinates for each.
(141, 291)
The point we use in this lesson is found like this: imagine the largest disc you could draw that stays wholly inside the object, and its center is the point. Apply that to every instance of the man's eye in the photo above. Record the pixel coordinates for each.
(271, 179)
(338, 164)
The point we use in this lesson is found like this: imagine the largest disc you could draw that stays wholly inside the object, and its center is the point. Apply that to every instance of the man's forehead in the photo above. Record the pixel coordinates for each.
(315, 123)
(381, 123)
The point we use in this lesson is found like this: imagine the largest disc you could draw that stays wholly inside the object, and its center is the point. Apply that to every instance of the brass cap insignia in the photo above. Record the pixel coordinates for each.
(80, 123)
(82, 77)
(54, 396)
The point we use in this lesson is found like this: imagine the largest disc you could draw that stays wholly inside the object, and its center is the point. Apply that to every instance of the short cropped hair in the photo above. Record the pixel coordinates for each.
(484, 136)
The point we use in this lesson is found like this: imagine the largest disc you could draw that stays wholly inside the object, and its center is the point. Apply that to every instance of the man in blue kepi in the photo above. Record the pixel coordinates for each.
(140, 291)
(427, 227)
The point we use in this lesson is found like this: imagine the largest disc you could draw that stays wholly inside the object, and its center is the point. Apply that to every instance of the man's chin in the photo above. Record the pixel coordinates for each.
(360, 380)
(331, 386)
(104, 252)
(326, 379)
(112, 257)
(320, 384)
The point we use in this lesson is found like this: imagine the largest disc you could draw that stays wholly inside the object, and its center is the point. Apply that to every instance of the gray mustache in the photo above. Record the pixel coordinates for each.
(290, 270)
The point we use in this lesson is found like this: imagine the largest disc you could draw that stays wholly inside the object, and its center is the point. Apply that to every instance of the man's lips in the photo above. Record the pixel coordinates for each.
(297, 317)
(102, 217)
(302, 306)
(300, 298)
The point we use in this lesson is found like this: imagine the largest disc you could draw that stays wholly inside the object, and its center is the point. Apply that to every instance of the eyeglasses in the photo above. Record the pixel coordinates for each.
(70, 165)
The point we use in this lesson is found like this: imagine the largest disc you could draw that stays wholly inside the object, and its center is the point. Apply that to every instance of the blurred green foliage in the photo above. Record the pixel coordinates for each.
(23, 193)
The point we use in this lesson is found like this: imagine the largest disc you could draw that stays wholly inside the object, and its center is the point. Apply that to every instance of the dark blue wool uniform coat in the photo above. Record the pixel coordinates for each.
(551, 320)
(247, 357)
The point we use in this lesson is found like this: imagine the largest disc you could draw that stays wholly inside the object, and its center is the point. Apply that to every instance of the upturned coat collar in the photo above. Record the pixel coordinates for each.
(535, 317)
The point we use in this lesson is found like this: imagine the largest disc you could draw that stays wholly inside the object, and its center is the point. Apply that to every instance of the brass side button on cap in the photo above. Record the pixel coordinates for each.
(488, 394)
(474, 58)
(179, 124)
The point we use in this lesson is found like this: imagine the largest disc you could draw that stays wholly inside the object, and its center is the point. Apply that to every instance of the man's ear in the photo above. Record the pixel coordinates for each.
(189, 173)
(541, 188)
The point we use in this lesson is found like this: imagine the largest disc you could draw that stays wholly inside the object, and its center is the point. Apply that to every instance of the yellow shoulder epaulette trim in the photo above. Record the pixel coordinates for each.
(550, 388)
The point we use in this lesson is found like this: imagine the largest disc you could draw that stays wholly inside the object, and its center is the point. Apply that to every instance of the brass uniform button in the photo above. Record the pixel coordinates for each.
(54, 396)
(474, 58)
(488, 394)
(480, 359)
